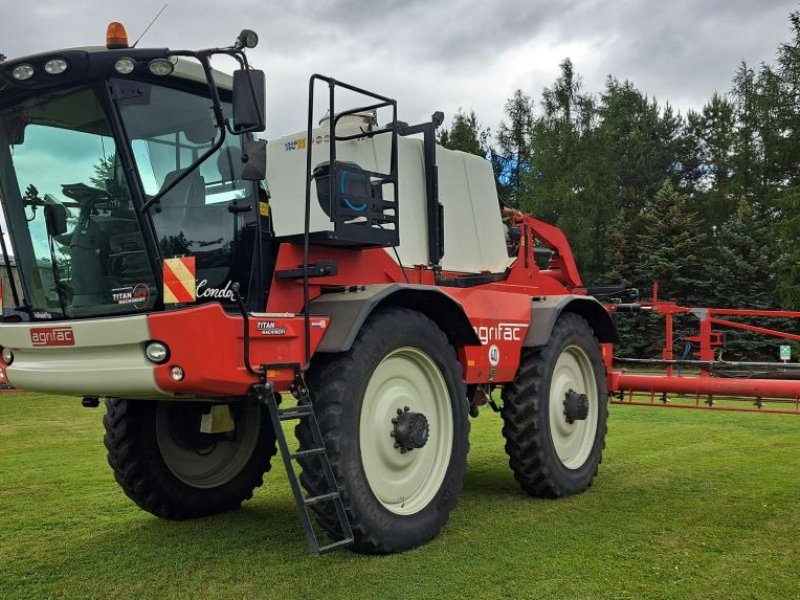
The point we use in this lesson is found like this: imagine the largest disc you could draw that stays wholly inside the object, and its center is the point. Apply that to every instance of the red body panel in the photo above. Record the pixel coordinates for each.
(501, 320)
(207, 343)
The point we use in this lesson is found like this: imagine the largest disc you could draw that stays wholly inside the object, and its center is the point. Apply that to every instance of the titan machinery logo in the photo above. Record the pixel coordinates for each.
(270, 328)
(52, 336)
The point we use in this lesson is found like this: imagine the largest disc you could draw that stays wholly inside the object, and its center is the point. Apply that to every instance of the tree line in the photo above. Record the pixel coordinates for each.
(706, 203)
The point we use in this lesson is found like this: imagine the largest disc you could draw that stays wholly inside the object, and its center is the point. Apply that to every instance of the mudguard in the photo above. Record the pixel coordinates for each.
(348, 310)
(545, 311)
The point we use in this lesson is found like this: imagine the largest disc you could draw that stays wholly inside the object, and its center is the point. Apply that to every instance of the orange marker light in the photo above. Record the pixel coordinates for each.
(116, 36)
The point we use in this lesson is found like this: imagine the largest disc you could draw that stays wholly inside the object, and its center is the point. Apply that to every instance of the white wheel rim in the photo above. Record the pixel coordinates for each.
(405, 483)
(573, 442)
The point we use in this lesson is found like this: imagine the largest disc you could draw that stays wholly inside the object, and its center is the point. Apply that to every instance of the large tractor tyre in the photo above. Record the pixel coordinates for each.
(169, 468)
(393, 413)
(555, 412)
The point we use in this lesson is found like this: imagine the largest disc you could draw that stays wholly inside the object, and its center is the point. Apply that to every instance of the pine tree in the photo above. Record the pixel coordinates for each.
(513, 157)
(741, 266)
(668, 246)
(466, 134)
(556, 187)
(710, 171)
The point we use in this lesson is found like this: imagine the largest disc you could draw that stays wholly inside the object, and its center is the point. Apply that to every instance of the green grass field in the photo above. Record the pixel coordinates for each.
(688, 504)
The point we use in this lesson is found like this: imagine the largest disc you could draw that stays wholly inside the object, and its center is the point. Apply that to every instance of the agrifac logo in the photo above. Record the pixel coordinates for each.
(52, 336)
(502, 332)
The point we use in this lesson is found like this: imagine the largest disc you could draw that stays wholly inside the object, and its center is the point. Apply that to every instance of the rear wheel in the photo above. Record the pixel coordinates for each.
(555, 412)
(393, 413)
(170, 468)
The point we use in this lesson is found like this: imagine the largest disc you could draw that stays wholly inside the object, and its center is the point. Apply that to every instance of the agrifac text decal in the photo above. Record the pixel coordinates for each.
(502, 332)
(52, 336)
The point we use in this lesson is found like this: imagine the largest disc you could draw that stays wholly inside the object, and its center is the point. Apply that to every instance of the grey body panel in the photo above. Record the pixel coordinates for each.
(107, 359)
(349, 310)
(545, 312)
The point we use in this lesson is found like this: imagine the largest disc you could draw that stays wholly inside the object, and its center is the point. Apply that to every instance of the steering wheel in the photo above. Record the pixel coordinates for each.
(84, 195)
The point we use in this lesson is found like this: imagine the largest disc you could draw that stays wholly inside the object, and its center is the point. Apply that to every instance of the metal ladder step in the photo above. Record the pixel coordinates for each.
(309, 452)
(335, 545)
(296, 412)
(322, 498)
(334, 495)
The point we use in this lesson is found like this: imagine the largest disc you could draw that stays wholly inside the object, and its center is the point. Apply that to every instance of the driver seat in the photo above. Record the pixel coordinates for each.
(190, 192)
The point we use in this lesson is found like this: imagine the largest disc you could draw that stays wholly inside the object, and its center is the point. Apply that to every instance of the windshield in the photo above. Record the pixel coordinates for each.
(210, 214)
(75, 233)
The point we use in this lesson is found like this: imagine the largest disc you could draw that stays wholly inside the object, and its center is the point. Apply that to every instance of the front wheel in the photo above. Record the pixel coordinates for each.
(555, 412)
(393, 413)
(167, 465)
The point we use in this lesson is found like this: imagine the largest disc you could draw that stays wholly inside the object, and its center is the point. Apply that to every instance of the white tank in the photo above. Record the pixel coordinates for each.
(473, 229)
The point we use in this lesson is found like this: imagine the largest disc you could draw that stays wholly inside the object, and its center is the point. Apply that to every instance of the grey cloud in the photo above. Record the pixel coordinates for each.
(441, 55)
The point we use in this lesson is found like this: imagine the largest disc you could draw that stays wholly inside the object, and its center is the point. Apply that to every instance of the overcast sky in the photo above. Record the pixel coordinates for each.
(438, 55)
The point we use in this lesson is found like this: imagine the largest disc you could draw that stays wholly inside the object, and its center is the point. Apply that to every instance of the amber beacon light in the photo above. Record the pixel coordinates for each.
(116, 36)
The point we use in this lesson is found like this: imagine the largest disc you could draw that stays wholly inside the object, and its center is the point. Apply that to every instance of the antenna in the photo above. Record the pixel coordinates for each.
(146, 29)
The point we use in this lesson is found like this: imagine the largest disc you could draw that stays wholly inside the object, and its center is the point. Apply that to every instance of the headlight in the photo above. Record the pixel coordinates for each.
(161, 66)
(8, 356)
(248, 38)
(157, 352)
(56, 66)
(176, 373)
(124, 66)
(22, 72)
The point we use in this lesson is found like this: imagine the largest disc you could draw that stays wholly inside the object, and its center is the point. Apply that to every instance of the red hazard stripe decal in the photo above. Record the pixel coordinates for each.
(179, 280)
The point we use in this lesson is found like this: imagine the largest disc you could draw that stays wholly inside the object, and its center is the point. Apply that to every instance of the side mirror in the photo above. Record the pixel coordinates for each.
(249, 98)
(55, 219)
(254, 159)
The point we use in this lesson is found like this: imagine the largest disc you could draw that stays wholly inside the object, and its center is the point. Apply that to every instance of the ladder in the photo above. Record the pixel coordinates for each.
(305, 410)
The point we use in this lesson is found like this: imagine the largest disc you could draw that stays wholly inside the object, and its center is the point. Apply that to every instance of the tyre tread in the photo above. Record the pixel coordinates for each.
(531, 457)
(329, 379)
(145, 479)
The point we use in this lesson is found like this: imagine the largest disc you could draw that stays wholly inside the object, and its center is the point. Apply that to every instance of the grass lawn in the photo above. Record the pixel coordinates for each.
(688, 504)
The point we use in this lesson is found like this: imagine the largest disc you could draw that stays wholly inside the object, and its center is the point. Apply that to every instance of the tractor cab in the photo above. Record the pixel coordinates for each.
(113, 159)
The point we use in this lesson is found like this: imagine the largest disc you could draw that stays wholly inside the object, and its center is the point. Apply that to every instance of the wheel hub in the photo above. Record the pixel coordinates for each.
(410, 431)
(184, 426)
(576, 406)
